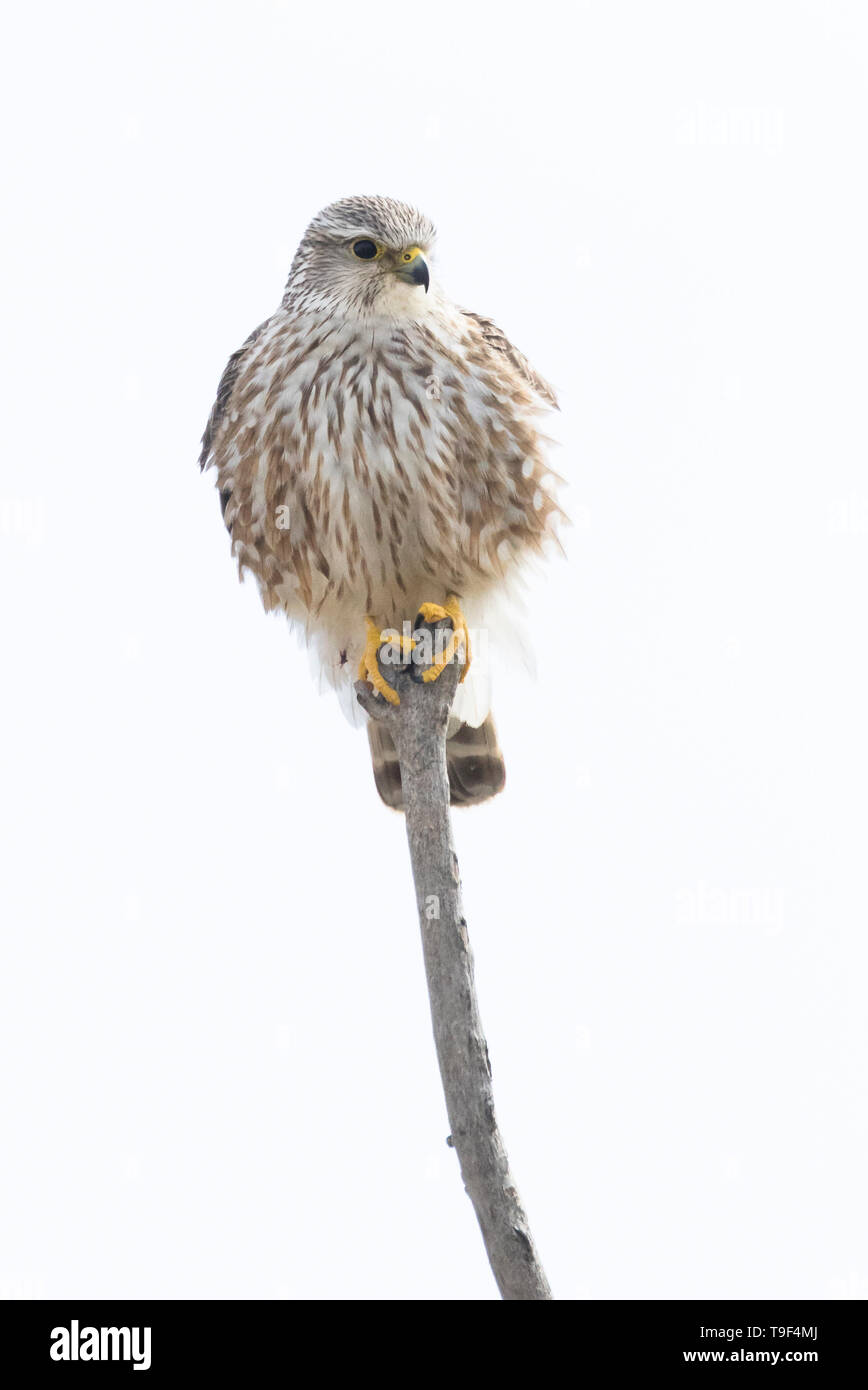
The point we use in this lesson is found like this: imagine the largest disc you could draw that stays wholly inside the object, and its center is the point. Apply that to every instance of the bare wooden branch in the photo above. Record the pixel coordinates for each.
(418, 728)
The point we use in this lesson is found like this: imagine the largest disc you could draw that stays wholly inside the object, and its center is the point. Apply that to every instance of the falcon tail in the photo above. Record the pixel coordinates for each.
(473, 760)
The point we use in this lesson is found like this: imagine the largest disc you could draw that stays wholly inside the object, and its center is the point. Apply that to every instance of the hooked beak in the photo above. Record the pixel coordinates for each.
(413, 268)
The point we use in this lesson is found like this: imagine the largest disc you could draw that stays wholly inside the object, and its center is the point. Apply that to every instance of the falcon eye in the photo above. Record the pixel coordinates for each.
(365, 250)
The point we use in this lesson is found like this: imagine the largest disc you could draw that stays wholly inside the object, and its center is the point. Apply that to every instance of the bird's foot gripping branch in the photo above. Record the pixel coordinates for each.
(440, 637)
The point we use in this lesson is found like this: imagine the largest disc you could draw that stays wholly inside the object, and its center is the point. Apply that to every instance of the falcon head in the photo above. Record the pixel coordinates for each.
(364, 257)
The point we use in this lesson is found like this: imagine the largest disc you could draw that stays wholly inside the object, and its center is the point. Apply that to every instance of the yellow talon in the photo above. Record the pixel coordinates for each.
(434, 613)
(369, 667)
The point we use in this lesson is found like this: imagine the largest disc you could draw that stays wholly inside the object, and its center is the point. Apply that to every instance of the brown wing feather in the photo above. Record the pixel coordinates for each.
(224, 393)
(498, 342)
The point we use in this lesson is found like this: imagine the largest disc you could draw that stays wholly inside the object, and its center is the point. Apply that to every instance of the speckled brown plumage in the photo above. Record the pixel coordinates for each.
(375, 446)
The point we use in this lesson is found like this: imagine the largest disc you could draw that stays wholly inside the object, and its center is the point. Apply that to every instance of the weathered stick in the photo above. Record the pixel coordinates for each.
(418, 728)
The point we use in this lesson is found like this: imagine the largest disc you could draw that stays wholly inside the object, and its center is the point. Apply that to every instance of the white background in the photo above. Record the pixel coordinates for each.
(217, 1076)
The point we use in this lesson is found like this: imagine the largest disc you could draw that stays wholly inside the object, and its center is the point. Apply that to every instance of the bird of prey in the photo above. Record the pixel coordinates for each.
(378, 455)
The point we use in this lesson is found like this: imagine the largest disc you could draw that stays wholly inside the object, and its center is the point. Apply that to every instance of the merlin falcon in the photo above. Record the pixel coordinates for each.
(380, 462)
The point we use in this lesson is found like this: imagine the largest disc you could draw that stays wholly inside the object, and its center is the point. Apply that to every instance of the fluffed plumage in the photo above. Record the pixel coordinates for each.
(375, 447)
